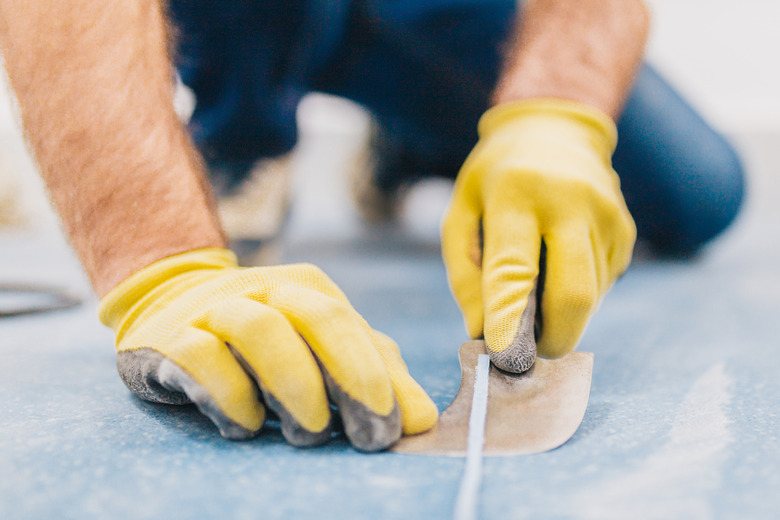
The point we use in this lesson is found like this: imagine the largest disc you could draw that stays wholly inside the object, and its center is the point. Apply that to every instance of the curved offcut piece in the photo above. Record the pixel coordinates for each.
(532, 412)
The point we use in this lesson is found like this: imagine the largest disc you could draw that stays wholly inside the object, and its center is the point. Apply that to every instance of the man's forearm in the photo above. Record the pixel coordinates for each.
(94, 84)
(582, 50)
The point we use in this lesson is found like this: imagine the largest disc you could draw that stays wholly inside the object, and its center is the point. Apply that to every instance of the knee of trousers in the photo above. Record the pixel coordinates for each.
(704, 195)
(720, 183)
(683, 181)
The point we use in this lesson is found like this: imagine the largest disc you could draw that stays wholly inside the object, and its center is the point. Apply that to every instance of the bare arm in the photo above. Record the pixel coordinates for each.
(94, 82)
(581, 50)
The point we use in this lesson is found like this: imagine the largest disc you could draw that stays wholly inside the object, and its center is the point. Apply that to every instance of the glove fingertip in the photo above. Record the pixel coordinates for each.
(292, 431)
(422, 418)
(174, 378)
(366, 430)
(520, 354)
(139, 370)
(515, 359)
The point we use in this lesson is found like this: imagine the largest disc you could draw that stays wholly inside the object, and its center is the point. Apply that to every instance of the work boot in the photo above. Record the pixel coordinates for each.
(389, 184)
(254, 208)
(376, 201)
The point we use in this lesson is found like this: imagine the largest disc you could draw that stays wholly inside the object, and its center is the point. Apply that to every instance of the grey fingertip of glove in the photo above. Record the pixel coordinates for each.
(520, 356)
(292, 431)
(365, 429)
(153, 377)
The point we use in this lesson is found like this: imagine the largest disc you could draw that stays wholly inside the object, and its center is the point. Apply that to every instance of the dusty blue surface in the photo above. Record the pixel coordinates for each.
(683, 420)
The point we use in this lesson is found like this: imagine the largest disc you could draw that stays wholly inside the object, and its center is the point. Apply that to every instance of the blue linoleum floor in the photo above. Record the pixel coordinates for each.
(683, 421)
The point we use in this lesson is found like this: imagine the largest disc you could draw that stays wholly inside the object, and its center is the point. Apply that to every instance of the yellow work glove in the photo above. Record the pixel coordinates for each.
(541, 174)
(196, 327)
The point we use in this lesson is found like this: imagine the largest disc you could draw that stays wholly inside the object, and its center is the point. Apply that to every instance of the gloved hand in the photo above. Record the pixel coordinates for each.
(197, 327)
(540, 174)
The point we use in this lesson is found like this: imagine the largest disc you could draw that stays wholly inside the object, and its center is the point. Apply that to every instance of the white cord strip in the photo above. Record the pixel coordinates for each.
(467, 500)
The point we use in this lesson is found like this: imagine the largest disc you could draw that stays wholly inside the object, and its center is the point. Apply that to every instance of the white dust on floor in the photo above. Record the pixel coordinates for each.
(675, 481)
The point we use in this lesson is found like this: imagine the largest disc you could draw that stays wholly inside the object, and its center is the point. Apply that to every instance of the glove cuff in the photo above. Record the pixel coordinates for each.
(116, 304)
(602, 130)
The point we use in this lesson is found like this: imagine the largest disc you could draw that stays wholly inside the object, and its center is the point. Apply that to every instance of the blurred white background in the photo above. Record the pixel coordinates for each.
(724, 56)
(721, 54)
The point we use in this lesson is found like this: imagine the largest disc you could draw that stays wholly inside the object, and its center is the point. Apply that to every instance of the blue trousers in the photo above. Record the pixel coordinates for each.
(425, 69)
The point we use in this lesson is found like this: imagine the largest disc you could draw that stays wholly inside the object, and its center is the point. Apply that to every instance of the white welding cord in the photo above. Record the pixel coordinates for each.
(467, 502)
